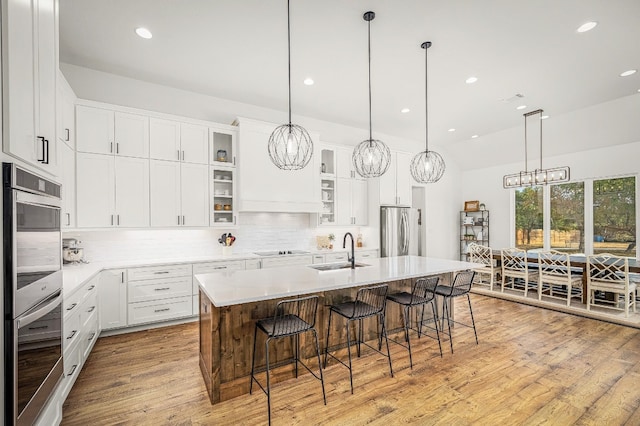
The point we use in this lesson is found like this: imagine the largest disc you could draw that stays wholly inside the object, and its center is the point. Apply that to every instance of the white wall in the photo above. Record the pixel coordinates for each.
(485, 185)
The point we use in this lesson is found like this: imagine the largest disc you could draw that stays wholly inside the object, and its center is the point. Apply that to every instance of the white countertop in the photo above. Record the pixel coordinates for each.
(74, 275)
(237, 287)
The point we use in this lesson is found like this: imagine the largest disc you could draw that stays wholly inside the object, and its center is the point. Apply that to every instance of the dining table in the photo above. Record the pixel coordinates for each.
(575, 260)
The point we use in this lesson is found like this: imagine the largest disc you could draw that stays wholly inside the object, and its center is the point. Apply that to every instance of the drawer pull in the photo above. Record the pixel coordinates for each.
(73, 333)
(91, 309)
(92, 336)
(219, 267)
(72, 306)
(162, 289)
(161, 310)
(91, 288)
(73, 369)
(161, 272)
(42, 327)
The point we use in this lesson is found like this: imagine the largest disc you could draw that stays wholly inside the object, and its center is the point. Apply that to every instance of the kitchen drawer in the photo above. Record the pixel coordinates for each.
(221, 266)
(88, 308)
(160, 310)
(252, 264)
(71, 359)
(165, 288)
(71, 302)
(275, 262)
(89, 336)
(154, 272)
(70, 330)
(318, 258)
(336, 257)
(367, 254)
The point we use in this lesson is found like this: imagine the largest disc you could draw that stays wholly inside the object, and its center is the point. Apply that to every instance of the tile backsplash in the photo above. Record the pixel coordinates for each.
(255, 232)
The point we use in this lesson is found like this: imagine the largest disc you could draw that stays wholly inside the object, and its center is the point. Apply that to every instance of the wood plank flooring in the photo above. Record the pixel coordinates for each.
(532, 367)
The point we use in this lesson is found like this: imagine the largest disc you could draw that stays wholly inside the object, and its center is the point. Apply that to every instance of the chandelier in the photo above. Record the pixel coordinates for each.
(427, 166)
(538, 176)
(290, 146)
(371, 157)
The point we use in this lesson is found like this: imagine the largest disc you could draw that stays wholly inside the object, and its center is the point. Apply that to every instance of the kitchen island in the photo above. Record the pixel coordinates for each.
(232, 301)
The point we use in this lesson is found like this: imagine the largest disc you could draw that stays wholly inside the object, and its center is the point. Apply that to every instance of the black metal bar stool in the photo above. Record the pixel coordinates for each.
(421, 295)
(292, 318)
(370, 302)
(460, 287)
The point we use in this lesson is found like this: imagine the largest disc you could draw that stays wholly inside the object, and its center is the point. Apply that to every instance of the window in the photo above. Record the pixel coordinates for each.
(614, 216)
(567, 217)
(529, 233)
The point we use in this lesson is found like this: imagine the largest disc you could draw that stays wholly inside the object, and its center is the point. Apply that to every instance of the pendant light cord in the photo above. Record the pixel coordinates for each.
(289, 58)
(426, 98)
(369, 49)
(540, 120)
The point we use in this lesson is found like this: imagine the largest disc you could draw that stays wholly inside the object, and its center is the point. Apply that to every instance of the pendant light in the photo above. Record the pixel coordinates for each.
(371, 157)
(427, 166)
(290, 146)
(538, 176)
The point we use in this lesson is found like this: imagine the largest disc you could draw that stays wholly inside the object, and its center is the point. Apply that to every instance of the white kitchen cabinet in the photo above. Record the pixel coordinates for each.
(179, 194)
(345, 163)
(395, 184)
(68, 181)
(194, 143)
(112, 295)
(351, 201)
(65, 111)
(164, 139)
(366, 254)
(223, 196)
(103, 131)
(278, 261)
(262, 186)
(223, 146)
(336, 257)
(29, 35)
(112, 191)
(252, 264)
(159, 293)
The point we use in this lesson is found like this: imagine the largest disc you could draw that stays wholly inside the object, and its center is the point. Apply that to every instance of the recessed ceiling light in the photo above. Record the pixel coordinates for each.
(587, 26)
(521, 107)
(144, 33)
(474, 136)
(308, 81)
(405, 110)
(544, 117)
(471, 80)
(628, 73)
(452, 130)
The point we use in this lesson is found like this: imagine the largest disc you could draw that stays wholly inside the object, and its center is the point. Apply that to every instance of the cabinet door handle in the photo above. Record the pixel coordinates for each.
(178, 219)
(117, 147)
(111, 147)
(91, 309)
(182, 155)
(72, 306)
(46, 150)
(161, 272)
(161, 310)
(73, 333)
(178, 154)
(92, 336)
(91, 288)
(111, 220)
(219, 267)
(41, 160)
(234, 160)
(162, 289)
(118, 219)
(66, 135)
(183, 220)
(73, 369)
(68, 219)
(122, 279)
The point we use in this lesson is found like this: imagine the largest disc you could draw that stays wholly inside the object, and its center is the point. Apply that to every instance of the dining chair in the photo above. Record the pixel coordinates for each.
(515, 266)
(556, 276)
(483, 255)
(609, 273)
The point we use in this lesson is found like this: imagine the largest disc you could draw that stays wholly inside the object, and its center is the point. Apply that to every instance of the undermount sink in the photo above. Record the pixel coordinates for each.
(334, 266)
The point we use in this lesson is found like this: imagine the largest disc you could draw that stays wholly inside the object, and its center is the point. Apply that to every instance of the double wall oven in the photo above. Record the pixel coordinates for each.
(32, 293)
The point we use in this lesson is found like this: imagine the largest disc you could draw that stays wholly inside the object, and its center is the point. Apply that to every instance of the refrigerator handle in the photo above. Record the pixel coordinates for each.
(403, 233)
(407, 236)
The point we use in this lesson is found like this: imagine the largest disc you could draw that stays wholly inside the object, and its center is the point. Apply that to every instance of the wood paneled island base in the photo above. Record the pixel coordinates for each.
(226, 339)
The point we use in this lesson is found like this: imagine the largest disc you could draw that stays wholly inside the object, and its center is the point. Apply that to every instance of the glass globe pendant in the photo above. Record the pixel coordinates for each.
(427, 166)
(371, 157)
(290, 146)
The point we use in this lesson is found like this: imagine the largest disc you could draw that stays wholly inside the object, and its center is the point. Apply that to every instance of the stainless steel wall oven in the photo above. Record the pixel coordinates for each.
(32, 292)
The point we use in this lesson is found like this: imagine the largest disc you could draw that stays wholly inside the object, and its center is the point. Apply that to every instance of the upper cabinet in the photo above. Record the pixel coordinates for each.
(173, 140)
(65, 120)
(345, 163)
(29, 64)
(395, 184)
(262, 186)
(223, 146)
(103, 131)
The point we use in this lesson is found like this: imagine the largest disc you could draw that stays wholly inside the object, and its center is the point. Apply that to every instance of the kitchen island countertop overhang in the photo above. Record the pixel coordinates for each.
(246, 286)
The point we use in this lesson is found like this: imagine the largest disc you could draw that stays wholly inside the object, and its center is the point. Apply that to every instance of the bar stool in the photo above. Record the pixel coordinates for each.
(460, 287)
(292, 318)
(421, 294)
(370, 302)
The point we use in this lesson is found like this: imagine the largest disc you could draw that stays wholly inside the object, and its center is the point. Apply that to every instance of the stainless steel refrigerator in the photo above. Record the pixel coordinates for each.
(400, 231)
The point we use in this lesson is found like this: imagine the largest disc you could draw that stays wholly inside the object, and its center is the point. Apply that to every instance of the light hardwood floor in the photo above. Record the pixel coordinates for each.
(532, 366)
